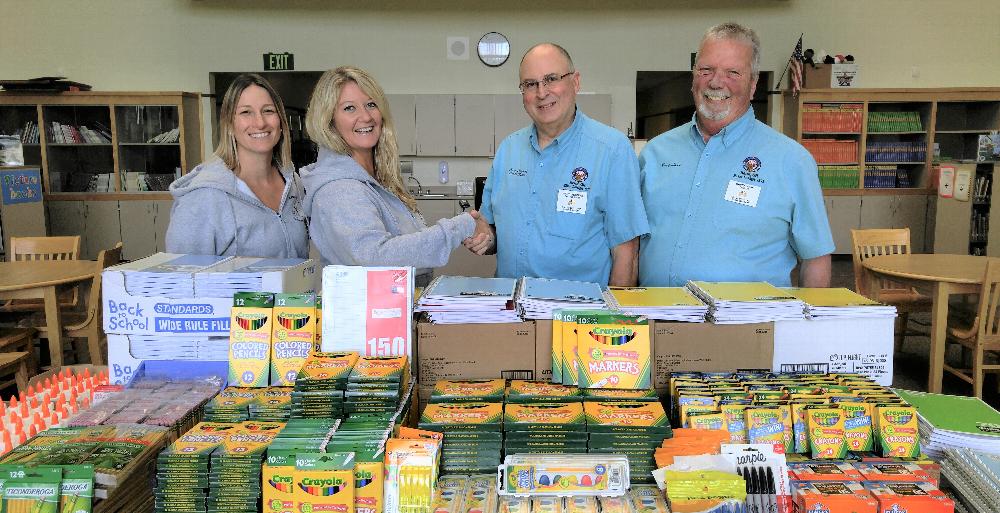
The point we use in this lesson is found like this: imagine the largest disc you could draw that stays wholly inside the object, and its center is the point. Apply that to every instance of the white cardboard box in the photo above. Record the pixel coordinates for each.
(862, 346)
(126, 352)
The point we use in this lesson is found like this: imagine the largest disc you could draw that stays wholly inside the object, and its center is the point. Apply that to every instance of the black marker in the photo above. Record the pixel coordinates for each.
(771, 492)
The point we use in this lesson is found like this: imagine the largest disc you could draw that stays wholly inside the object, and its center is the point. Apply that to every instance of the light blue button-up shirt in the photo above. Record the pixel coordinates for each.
(774, 216)
(559, 211)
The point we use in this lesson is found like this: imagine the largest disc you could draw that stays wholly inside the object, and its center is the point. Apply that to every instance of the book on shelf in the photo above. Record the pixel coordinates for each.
(894, 122)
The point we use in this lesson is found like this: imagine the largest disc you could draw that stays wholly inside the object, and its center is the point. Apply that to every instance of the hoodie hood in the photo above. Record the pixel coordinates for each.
(329, 167)
(212, 174)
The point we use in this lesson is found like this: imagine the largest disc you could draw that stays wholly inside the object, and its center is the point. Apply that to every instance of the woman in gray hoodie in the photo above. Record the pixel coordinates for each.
(248, 200)
(359, 211)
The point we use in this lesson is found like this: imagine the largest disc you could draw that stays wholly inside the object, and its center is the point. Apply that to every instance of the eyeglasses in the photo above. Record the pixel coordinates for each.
(548, 81)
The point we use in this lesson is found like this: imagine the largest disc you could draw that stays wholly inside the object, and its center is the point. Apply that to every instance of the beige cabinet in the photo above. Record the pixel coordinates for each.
(844, 213)
(140, 225)
(596, 106)
(508, 116)
(964, 227)
(404, 117)
(462, 261)
(474, 125)
(907, 211)
(435, 118)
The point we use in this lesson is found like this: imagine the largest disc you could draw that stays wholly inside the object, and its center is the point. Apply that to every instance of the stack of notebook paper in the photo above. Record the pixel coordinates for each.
(660, 303)
(186, 347)
(951, 421)
(975, 476)
(241, 274)
(838, 303)
(458, 299)
(166, 275)
(746, 302)
(537, 297)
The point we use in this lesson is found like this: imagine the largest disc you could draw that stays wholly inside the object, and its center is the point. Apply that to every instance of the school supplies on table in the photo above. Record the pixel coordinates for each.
(948, 421)
(250, 339)
(838, 303)
(746, 302)
(613, 351)
(563, 475)
(661, 303)
(461, 299)
(537, 297)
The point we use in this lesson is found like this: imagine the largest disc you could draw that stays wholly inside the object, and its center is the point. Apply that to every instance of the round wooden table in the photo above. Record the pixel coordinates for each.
(40, 280)
(937, 275)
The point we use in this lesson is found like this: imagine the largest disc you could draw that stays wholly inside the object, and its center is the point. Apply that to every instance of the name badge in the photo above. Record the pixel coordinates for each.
(574, 202)
(742, 194)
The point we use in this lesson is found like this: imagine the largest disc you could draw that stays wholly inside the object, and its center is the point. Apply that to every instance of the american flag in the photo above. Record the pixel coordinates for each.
(796, 65)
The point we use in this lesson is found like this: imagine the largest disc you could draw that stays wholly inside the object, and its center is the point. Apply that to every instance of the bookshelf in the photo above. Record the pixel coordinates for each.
(963, 227)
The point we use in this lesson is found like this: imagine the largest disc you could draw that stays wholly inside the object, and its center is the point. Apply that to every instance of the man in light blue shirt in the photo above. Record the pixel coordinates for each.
(563, 194)
(729, 198)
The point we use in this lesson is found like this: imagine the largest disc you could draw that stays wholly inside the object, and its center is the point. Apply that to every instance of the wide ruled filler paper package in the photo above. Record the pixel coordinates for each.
(838, 303)
(368, 310)
(537, 297)
(461, 299)
(746, 302)
(659, 303)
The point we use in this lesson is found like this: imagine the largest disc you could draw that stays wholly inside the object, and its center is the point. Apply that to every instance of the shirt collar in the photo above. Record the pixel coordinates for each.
(729, 134)
(566, 135)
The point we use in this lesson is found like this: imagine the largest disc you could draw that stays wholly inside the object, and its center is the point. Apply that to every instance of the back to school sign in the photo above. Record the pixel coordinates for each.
(21, 186)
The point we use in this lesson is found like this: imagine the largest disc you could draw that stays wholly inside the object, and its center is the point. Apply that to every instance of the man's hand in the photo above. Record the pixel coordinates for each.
(483, 239)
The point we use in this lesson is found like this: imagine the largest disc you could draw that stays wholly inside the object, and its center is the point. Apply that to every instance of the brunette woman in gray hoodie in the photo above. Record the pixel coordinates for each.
(359, 211)
(248, 200)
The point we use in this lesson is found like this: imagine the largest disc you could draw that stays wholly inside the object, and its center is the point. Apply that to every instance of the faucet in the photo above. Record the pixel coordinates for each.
(420, 189)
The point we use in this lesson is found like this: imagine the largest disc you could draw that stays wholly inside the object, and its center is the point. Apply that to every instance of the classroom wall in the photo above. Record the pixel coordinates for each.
(174, 44)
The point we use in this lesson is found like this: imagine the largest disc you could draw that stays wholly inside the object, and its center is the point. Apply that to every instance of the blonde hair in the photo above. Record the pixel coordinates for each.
(319, 125)
(281, 155)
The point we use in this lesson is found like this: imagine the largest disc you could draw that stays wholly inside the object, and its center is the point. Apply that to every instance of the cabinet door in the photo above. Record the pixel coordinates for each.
(161, 221)
(435, 124)
(876, 211)
(951, 226)
(595, 106)
(404, 117)
(474, 125)
(138, 233)
(844, 213)
(911, 212)
(66, 217)
(508, 116)
(102, 228)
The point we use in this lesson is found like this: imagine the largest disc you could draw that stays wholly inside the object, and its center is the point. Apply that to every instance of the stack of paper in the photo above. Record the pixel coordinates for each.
(661, 303)
(537, 297)
(950, 422)
(166, 275)
(838, 303)
(746, 302)
(191, 347)
(975, 476)
(458, 299)
(239, 274)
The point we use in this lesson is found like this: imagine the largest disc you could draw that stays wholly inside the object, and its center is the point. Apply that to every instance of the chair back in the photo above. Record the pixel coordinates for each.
(44, 248)
(989, 304)
(106, 258)
(877, 242)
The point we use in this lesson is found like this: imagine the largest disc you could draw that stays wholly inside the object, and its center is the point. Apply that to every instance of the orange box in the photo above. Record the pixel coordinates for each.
(823, 471)
(909, 497)
(833, 497)
(893, 471)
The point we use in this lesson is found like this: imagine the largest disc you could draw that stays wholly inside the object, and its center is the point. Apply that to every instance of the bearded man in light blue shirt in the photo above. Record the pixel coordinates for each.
(562, 197)
(728, 198)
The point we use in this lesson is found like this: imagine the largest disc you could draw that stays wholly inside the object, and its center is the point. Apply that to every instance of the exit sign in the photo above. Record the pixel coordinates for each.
(279, 61)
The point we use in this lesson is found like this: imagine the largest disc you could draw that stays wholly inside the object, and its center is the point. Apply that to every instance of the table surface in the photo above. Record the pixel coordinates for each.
(31, 274)
(931, 267)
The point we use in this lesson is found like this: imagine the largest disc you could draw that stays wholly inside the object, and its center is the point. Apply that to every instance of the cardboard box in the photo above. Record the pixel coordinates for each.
(706, 347)
(473, 351)
(543, 350)
(826, 76)
(861, 346)
(127, 352)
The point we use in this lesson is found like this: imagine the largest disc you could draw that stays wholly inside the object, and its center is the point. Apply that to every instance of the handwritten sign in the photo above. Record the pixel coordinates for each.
(21, 186)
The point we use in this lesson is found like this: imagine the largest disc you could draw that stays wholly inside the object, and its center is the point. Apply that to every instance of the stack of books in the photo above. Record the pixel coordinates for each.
(746, 302)
(166, 275)
(660, 303)
(459, 299)
(537, 297)
(241, 274)
(954, 422)
(975, 477)
(838, 303)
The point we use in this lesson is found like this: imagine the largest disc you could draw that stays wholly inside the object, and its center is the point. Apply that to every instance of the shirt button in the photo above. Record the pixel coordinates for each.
(697, 184)
(541, 164)
(688, 215)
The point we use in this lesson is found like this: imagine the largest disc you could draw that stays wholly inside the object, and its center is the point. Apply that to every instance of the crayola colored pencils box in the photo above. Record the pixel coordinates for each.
(250, 339)
(324, 482)
(277, 482)
(369, 477)
(318, 344)
(293, 336)
(613, 351)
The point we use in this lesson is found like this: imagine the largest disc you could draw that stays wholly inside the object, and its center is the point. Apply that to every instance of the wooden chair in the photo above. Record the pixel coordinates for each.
(89, 324)
(43, 249)
(983, 335)
(888, 241)
(19, 339)
(14, 364)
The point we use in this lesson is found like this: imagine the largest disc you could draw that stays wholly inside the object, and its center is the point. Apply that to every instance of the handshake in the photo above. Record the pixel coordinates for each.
(483, 240)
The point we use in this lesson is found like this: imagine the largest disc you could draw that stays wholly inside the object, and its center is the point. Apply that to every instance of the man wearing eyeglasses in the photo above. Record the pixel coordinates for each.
(729, 198)
(562, 197)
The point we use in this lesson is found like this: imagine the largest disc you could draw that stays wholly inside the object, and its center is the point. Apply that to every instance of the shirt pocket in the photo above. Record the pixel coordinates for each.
(567, 226)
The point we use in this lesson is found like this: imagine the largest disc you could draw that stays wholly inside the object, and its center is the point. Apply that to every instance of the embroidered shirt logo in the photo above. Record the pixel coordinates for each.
(578, 180)
(517, 172)
(751, 165)
(750, 171)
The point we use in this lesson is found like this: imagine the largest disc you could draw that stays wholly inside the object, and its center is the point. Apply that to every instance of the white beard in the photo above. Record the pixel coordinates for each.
(710, 115)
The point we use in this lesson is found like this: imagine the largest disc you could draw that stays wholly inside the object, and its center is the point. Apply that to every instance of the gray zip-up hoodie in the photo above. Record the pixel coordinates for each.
(211, 216)
(355, 221)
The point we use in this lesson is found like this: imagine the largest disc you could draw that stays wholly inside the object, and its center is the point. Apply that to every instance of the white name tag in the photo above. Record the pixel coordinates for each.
(574, 202)
(742, 194)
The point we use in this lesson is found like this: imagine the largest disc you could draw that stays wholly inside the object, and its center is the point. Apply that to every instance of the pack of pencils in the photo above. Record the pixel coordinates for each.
(321, 384)
(523, 391)
(473, 437)
(547, 427)
(250, 339)
(469, 390)
(324, 482)
(293, 335)
(410, 472)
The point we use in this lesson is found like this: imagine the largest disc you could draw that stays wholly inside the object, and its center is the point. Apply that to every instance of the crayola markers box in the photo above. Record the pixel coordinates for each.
(557, 336)
(293, 336)
(613, 351)
(250, 339)
(277, 481)
(324, 482)
(369, 478)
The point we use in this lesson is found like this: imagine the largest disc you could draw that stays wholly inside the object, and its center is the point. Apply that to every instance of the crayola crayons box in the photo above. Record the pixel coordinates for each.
(826, 432)
(292, 336)
(277, 481)
(613, 351)
(898, 434)
(324, 482)
(250, 339)
(832, 497)
(369, 478)
(909, 497)
(858, 426)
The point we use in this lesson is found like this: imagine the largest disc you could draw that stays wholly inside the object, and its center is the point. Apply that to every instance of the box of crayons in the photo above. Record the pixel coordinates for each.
(523, 391)
(324, 482)
(250, 339)
(471, 390)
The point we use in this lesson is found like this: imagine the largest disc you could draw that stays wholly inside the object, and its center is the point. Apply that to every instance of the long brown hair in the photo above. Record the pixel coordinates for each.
(319, 125)
(281, 155)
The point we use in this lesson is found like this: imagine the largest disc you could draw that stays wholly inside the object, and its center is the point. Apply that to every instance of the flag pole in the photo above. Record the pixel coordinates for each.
(788, 63)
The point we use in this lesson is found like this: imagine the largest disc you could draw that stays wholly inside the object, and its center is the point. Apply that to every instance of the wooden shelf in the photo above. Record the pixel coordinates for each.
(873, 163)
(984, 131)
(148, 144)
(879, 192)
(831, 133)
(65, 145)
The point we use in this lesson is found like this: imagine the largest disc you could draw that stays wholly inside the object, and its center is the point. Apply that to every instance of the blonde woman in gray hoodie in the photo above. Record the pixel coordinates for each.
(360, 212)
